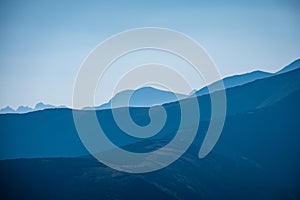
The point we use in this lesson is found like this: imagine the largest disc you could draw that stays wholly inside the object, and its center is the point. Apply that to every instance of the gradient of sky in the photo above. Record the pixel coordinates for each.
(43, 43)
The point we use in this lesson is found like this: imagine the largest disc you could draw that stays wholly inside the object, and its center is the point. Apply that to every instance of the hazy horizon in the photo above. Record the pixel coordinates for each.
(152, 86)
(44, 43)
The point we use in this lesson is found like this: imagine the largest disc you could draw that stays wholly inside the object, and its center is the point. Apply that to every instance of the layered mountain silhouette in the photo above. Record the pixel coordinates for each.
(236, 80)
(257, 156)
(149, 96)
(39, 127)
(242, 79)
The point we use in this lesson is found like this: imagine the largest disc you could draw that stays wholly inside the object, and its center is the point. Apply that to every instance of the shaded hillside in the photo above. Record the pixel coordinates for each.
(51, 133)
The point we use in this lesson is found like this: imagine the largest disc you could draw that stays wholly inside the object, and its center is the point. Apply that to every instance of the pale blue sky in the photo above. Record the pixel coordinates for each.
(43, 43)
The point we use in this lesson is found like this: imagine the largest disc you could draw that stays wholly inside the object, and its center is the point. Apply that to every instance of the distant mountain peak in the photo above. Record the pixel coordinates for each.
(42, 106)
(142, 97)
(39, 104)
(7, 109)
(24, 109)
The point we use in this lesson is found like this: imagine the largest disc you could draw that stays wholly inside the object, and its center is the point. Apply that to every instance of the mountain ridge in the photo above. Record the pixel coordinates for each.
(141, 98)
(264, 93)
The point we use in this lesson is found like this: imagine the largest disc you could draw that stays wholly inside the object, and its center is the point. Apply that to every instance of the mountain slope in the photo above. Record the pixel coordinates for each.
(294, 65)
(242, 79)
(235, 80)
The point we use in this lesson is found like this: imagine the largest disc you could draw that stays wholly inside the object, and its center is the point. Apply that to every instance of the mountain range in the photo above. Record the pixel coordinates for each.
(149, 96)
(256, 157)
(26, 109)
(55, 126)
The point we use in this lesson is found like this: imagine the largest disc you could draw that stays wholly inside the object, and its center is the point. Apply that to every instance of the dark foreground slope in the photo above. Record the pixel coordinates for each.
(215, 177)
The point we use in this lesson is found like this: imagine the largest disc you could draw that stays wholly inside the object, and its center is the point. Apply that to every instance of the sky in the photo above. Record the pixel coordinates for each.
(43, 43)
